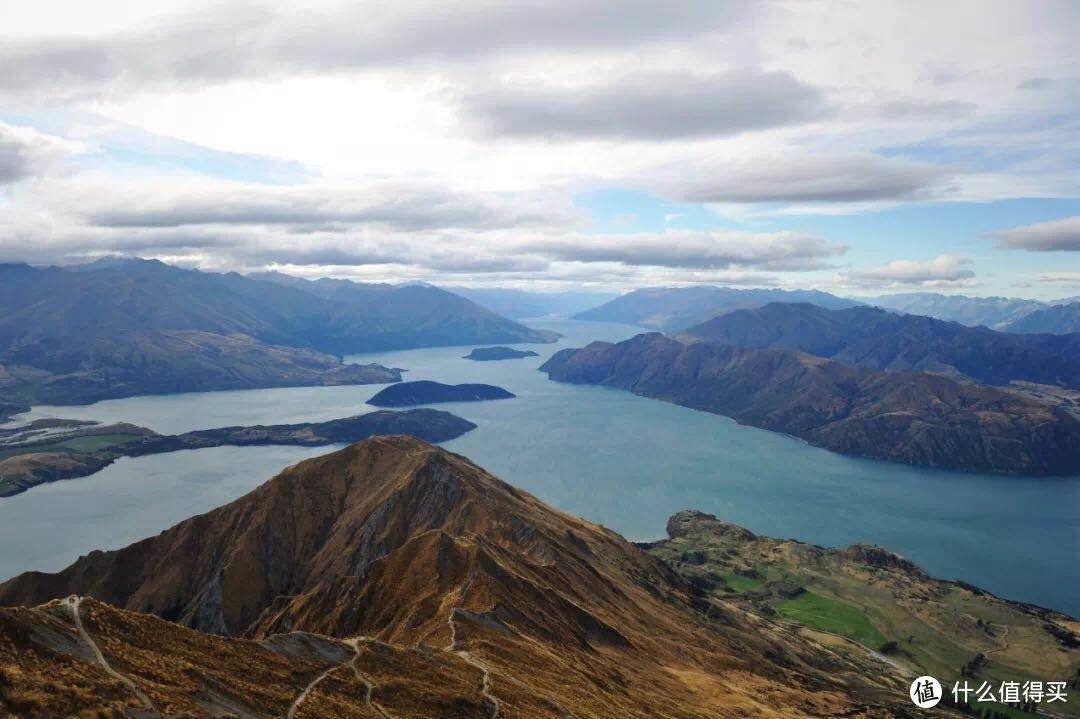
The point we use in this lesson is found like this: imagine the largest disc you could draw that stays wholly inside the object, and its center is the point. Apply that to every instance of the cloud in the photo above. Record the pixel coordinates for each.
(217, 45)
(1035, 83)
(858, 177)
(404, 206)
(942, 271)
(25, 152)
(1063, 234)
(693, 250)
(1069, 279)
(649, 106)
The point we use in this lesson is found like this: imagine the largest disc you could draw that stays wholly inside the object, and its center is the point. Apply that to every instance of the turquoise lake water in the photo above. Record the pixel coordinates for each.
(620, 460)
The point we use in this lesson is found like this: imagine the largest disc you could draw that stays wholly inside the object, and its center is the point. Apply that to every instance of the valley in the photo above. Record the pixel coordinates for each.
(625, 461)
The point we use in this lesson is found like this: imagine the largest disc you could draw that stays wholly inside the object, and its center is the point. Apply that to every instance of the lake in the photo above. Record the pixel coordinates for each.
(623, 461)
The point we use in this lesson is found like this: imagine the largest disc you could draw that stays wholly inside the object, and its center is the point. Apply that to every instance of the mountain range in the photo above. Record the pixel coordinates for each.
(993, 312)
(671, 309)
(392, 578)
(124, 327)
(911, 417)
(1056, 318)
(874, 338)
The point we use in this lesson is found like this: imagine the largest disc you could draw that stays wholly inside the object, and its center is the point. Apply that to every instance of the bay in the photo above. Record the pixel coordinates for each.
(623, 461)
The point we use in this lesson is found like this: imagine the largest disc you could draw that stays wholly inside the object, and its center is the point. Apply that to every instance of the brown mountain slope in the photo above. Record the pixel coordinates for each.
(446, 571)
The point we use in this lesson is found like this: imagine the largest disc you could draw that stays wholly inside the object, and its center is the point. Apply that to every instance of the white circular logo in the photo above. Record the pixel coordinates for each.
(925, 692)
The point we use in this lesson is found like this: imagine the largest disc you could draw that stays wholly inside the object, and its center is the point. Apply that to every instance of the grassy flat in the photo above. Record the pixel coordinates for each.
(820, 612)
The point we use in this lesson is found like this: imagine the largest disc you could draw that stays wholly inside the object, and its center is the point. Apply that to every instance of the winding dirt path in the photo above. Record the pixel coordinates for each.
(308, 689)
(369, 685)
(73, 603)
(485, 686)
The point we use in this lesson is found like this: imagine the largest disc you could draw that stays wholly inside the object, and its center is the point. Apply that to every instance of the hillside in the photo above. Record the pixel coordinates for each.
(910, 417)
(173, 361)
(459, 595)
(874, 338)
(671, 309)
(1057, 319)
(872, 596)
(124, 327)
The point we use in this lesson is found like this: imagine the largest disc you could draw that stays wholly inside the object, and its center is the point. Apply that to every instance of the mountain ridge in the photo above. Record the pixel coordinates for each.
(881, 340)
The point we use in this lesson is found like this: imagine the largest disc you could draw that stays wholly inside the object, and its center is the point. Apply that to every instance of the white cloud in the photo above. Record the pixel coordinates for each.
(715, 249)
(1063, 234)
(939, 272)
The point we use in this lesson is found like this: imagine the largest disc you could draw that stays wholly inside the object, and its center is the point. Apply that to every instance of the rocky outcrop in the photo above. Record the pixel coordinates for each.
(911, 417)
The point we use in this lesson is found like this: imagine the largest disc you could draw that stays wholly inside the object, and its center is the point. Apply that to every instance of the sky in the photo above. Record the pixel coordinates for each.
(857, 148)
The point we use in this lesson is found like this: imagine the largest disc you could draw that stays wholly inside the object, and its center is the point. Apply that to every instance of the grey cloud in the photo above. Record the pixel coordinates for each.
(844, 178)
(1035, 83)
(934, 109)
(24, 153)
(654, 106)
(694, 250)
(218, 46)
(1063, 234)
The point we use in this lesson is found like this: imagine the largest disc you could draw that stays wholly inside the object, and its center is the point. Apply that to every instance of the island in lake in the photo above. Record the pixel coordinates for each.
(49, 450)
(405, 394)
(491, 354)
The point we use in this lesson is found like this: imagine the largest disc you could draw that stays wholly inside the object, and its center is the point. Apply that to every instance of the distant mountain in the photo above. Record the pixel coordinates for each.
(392, 578)
(671, 309)
(135, 363)
(992, 312)
(519, 304)
(375, 317)
(120, 327)
(874, 338)
(1058, 319)
(910, 417)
